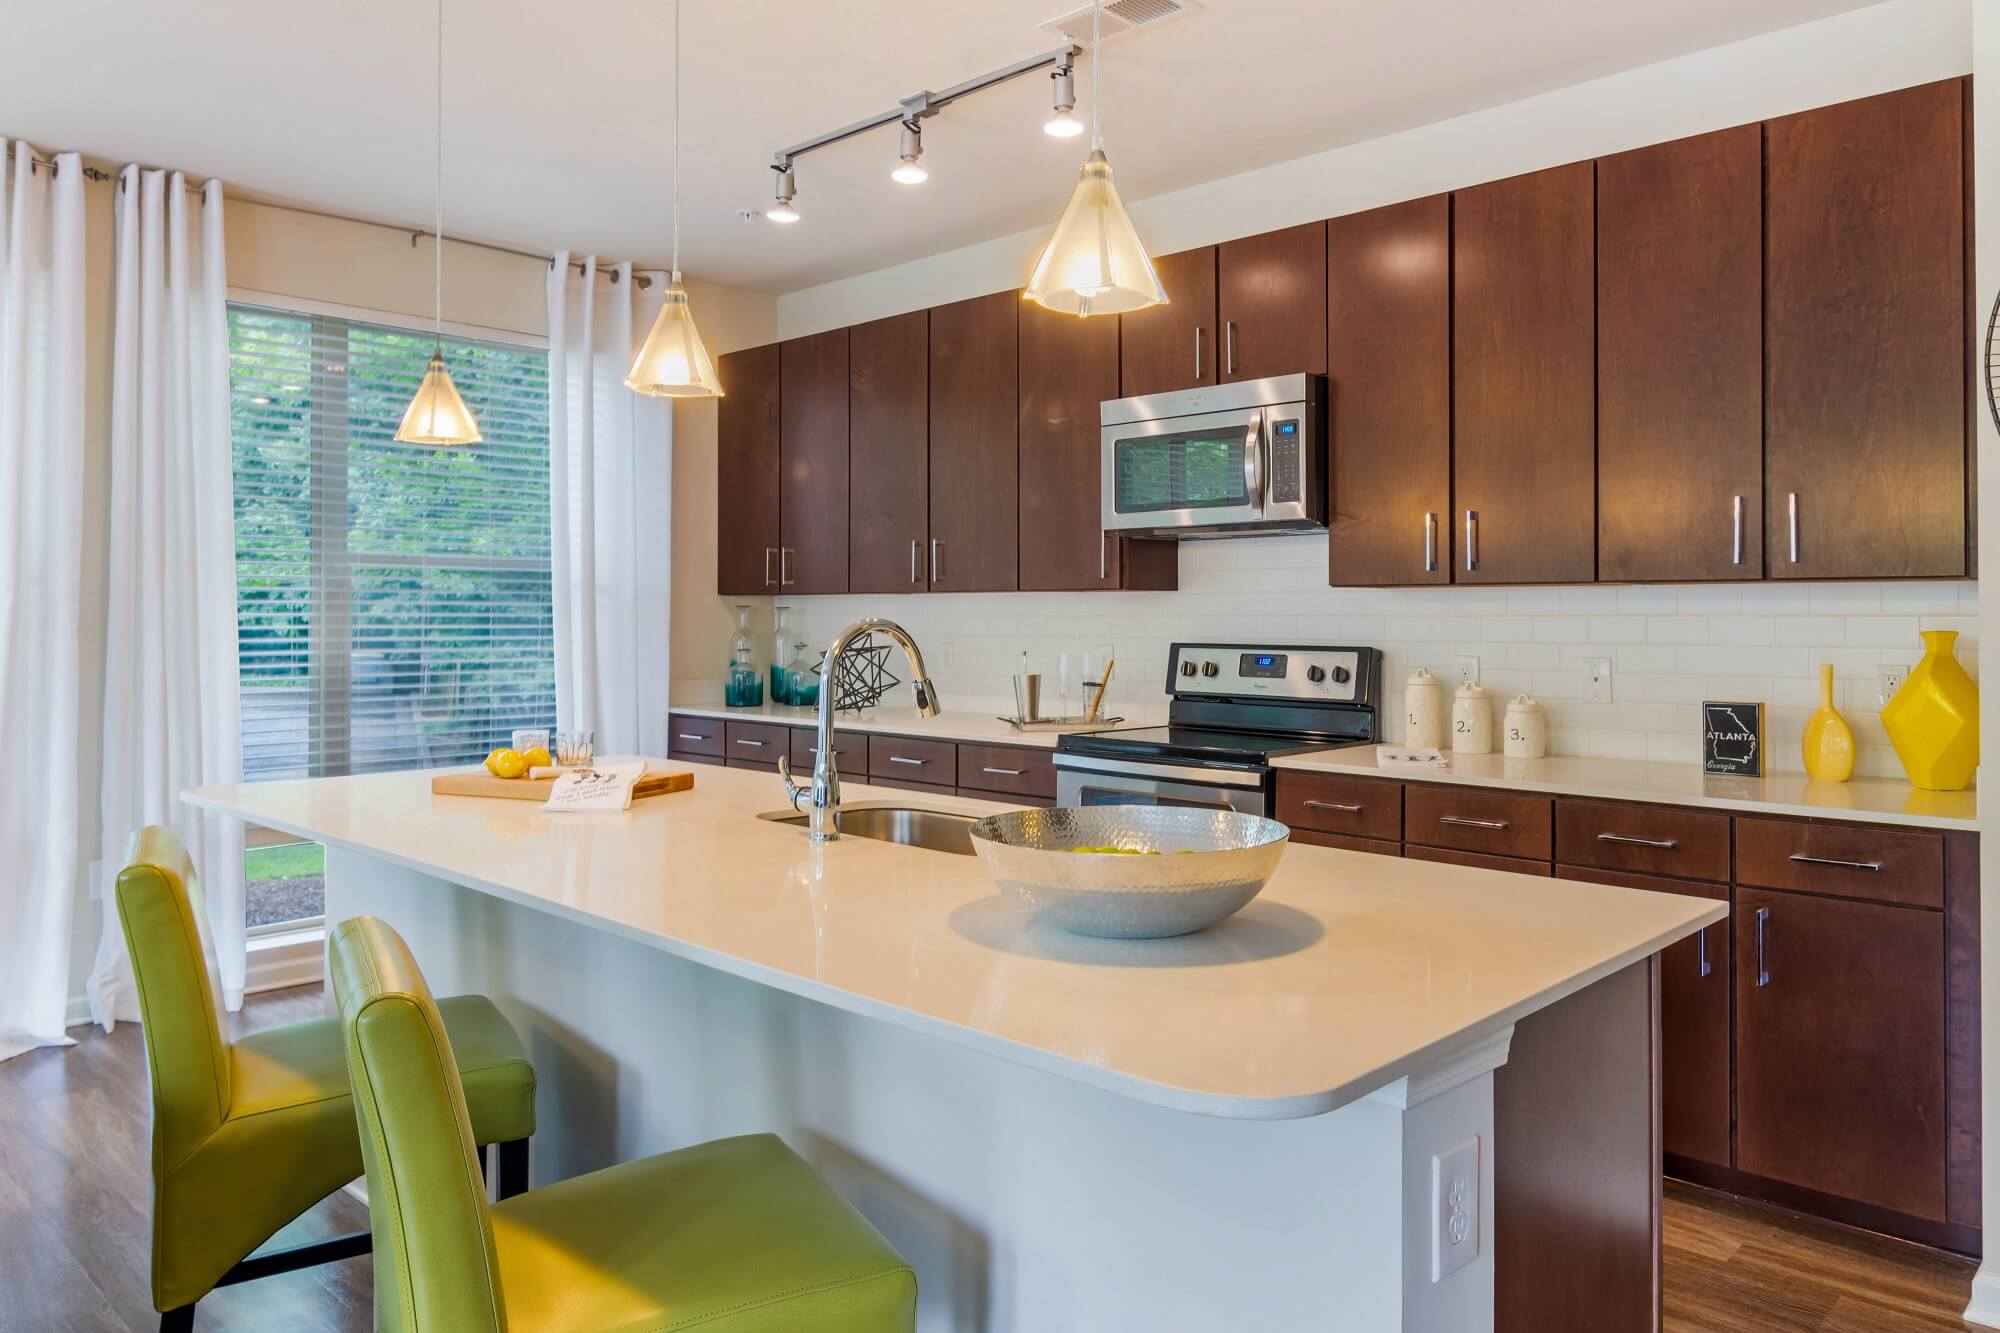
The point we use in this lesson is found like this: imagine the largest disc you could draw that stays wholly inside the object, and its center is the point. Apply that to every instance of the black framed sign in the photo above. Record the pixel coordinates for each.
(1732, 738)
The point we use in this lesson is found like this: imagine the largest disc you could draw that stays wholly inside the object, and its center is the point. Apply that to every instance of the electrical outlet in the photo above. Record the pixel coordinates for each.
(1468, 671)
(1454, 1209)
(1888, 680)
(1597, 680)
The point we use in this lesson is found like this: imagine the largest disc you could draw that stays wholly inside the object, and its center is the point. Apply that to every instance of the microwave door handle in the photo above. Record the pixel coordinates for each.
(1253, 459)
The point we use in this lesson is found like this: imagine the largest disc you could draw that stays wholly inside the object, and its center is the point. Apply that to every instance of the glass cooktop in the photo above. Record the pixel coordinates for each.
(1191, 745)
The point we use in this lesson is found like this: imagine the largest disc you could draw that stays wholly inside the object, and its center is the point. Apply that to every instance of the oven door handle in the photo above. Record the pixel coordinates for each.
(1207, 777)
(1253, 458)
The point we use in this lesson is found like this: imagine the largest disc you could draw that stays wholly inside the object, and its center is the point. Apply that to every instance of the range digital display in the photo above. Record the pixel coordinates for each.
(1266, 666)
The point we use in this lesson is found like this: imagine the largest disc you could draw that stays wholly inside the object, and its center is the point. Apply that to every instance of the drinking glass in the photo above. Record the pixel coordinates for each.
(575, 749)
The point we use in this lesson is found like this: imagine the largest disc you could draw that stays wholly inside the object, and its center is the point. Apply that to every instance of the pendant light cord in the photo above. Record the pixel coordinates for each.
(677, 143)
(1096, 78)
(437, 200)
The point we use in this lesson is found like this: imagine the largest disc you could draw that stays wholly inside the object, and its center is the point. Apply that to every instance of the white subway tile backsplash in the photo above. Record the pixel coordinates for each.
(1670, 646)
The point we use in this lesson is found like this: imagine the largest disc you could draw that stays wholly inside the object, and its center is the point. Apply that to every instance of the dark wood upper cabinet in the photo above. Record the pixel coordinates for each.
(1271, 298)
(746, 470)
(1173, 346)
(889, 497)
(1068, 367)
(1865, 327)
(812, 446)
(975, 444)
(1524, 380)
(1840, 1042)
(1388, 302)
(1680, 392)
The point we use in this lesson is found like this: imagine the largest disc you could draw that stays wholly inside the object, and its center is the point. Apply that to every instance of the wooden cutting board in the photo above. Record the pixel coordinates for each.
(537, 789)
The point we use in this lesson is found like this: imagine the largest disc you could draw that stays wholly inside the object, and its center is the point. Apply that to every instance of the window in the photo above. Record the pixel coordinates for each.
(394, 604)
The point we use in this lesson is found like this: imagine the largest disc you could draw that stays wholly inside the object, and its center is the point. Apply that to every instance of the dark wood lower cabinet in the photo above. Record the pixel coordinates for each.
(1477, 860)
(1840, 1048)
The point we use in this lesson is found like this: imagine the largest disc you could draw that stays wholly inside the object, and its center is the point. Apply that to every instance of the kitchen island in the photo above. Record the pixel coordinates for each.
(1236, 1129)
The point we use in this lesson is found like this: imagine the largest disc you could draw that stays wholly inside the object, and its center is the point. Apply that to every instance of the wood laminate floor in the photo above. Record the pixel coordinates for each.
(74, 1199)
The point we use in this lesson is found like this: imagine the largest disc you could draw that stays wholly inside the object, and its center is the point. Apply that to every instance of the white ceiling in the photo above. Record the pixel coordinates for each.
(557, 116)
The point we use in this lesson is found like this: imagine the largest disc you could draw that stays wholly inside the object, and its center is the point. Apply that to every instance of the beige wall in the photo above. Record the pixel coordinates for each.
(288, 254)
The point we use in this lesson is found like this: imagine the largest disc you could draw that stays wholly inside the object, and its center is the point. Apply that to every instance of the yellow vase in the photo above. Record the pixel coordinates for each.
(1934, 719)
(1829, 741)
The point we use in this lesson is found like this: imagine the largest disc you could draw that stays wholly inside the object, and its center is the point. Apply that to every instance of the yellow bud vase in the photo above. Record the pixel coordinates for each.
(1934, 719)
(1829, 741)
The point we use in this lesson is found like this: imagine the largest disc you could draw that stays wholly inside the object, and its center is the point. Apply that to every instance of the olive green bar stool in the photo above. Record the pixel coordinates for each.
(249, 1134)
(734, 1236)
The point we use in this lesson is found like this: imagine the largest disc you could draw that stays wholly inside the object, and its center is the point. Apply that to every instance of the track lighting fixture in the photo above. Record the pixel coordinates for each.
(911, 170)
(788, 189)
(1062, 122)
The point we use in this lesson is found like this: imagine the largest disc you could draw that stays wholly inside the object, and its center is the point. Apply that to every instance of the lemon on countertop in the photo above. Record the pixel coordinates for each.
(538, 757)
(505, 763)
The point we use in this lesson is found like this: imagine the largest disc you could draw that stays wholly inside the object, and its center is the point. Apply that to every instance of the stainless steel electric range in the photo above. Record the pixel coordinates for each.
(1234, 708)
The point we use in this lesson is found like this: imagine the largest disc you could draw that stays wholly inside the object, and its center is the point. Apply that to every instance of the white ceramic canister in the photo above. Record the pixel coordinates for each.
(1525, 734)
(1423, 712)
(1472, 720)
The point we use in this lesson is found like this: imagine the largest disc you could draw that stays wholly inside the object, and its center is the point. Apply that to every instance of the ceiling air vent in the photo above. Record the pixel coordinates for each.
(1121, 18)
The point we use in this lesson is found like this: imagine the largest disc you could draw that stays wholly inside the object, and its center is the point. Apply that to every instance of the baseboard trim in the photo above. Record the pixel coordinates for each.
(1984, 1309)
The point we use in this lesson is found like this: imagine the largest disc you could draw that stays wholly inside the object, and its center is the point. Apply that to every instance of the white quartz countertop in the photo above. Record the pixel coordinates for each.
(1870, 800)
(1348, 972)
(972, 721)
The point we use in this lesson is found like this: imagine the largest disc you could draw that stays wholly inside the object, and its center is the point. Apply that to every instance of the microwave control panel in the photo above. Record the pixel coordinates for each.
(1285, 466)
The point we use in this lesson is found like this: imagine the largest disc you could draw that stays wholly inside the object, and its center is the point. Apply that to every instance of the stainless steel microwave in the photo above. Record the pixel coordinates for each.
(1222, 461)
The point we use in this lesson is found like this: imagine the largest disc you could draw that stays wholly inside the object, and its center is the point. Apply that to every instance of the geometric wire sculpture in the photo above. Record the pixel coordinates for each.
(861, 676)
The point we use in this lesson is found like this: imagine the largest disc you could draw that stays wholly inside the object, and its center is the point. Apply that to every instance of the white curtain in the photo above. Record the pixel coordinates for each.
(171, 717)
(610, 469)
(41, 521)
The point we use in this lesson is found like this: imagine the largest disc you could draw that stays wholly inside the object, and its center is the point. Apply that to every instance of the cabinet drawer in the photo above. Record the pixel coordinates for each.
(1356, 807)
(911, 760)
(1009, 798)
(850, 751)
(1009, 769)
(1477, 860)
(1471, 820)
(898, 784)
(1886, 865)
(690, 735)
(1651, 839)
(755, 744)
(1312, 838)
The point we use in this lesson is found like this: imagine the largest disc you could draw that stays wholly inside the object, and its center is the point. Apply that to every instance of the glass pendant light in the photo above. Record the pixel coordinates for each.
(437, 415)
(1095, 263)
(673, 361)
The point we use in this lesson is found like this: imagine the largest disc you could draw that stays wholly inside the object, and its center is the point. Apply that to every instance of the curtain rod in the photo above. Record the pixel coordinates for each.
(639, 278)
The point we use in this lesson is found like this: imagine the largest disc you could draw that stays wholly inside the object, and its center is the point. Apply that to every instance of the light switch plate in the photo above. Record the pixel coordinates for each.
(1454, 1209)
(1597, 680)
(1468, 671)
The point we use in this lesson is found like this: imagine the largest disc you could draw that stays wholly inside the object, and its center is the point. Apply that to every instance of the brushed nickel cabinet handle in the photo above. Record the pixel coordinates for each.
(916, 553)
(1430, 543)
(1792, 522)
(1229, 346)
(1736, 541)
(1664, 844)
(905, 759)
(1471, 539)
(1472, 823)
(1103, 556)
(1006, 772)
(1835, 862)
(1197, 354)
(689, 736)
(753, 744)
(937, 561)
(1335, 805)
(785, 554)
(1763, 970)
(1701, 952)
(769, 551)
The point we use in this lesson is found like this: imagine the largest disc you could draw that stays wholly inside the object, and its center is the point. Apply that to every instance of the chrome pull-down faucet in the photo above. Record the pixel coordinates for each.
(824, 790)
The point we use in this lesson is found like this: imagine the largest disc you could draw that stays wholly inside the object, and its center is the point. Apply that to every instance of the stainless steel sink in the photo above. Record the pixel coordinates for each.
(911, 826)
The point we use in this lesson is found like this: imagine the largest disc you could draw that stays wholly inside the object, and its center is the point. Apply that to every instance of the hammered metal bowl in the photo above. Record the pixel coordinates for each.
(1211, 863)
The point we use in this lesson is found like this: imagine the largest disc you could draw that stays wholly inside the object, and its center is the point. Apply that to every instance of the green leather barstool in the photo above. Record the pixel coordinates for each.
(249, 1134)
(734, 1236)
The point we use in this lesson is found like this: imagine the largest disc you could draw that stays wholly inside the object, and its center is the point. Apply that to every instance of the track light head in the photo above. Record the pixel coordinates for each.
(910, 171)
(1062, 123)
(788, 188)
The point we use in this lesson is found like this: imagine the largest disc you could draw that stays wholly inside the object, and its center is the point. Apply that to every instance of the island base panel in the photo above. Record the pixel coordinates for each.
(1024, 1199)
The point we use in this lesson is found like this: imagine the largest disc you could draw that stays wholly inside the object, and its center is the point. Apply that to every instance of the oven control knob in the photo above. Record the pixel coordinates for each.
(1210, 669)
(1341, 675)
(1315, 674)
(1187, 668)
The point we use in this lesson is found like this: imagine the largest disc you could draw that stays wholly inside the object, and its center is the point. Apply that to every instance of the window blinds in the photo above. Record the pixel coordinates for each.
(393, 601)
